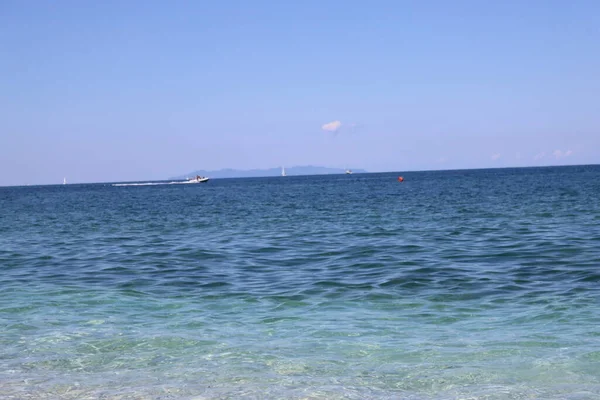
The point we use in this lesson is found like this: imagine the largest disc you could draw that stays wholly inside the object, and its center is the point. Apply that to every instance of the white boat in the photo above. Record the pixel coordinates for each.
(282, 171)
(348, 171)
(197, 179)
(64, 181)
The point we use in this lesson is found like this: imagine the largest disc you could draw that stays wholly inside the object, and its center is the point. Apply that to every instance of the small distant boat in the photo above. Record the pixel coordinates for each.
(64, 181)
(198, 179)
(348, 171)
(283, 171)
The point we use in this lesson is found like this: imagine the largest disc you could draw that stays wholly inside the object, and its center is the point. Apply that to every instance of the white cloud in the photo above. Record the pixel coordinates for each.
(561, 154)
(558, 153)
(332, 126)
(496, 156)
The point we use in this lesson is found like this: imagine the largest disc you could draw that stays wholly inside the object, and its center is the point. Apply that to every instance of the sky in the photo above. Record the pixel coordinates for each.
(136, 90)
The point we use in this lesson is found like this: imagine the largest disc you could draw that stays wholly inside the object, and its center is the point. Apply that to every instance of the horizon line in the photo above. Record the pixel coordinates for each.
(270, 176)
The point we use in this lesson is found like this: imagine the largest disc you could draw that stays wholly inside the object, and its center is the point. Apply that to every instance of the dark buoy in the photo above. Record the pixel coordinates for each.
(400, 179)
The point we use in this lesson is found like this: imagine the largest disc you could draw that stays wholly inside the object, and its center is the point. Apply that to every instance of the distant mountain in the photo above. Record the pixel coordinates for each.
(235, 173)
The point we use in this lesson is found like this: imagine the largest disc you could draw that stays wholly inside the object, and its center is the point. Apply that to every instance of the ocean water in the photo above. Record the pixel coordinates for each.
(481, 284)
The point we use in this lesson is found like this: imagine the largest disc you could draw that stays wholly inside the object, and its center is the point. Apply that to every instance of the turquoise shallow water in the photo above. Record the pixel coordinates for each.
(479, 284)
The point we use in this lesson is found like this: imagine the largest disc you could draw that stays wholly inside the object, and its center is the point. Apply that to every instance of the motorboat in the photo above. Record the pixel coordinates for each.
(197, 179)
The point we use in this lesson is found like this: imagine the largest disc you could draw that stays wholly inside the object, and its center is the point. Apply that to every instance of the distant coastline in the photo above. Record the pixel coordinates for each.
(256, 173)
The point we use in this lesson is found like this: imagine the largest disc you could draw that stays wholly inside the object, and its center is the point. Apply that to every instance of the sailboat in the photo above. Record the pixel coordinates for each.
(64, 181)
(282, 171)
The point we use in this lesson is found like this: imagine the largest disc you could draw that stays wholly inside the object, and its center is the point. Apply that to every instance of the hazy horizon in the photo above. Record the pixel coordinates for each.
(356, 171)
(105, 92)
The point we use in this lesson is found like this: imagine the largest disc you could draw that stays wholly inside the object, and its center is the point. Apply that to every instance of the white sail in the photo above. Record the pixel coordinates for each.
(64, 181)
(282, 171)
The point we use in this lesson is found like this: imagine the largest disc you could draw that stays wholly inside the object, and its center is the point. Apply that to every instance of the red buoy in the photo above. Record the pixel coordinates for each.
(400, 179)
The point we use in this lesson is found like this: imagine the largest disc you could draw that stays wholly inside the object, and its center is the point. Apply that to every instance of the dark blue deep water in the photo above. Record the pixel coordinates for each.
(481, 284)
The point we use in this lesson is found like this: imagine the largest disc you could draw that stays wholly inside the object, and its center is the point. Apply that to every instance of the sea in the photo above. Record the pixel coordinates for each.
(470, 284)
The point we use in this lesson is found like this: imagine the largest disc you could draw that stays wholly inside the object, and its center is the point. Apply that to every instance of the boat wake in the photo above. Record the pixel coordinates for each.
(153, 183)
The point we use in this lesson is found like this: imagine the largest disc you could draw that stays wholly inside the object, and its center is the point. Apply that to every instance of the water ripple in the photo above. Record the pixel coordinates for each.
(457, 284)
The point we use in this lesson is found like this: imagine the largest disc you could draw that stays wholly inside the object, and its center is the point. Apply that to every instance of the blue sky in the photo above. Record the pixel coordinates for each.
(113, 90)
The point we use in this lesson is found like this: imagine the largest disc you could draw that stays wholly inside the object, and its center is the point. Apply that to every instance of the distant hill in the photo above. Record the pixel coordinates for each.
(235, 173)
